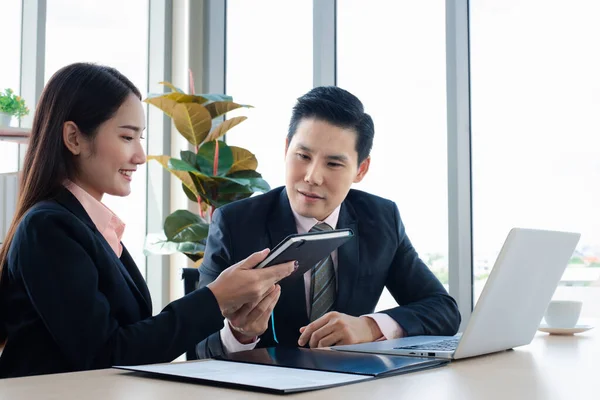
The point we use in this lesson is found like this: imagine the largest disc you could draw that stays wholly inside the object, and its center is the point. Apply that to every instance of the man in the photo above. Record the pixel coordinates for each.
(327, 149)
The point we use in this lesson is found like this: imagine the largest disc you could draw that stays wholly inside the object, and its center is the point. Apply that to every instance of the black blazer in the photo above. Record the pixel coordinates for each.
(68, 303)
(380, 254)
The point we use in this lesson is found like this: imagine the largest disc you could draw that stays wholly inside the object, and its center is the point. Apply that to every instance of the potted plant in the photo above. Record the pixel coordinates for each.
(11, 105)
(212, 175)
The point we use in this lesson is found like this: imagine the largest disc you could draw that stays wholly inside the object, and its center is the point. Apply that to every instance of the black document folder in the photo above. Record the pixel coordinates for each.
(333, 361)
(284, 370)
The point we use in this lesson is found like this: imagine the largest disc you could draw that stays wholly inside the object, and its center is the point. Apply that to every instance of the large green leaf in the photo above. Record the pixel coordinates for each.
(193, 121)
(186, 98)
(218, 108)
(230, 186)
(189, 193)
(163, 103)
(224, 127)
(181, 165)
(182, 175)
(185, 226)
(231, 190)
(242, 160)
(206, 157)
(255, 184)
(189, 157)
(156, 243)
(219, 190)
(201, 183)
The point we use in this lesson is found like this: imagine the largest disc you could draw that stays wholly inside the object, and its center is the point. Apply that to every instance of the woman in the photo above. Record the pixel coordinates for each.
(71, 297)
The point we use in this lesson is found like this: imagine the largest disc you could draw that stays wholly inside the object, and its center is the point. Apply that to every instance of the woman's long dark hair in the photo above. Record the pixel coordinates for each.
(86, 94)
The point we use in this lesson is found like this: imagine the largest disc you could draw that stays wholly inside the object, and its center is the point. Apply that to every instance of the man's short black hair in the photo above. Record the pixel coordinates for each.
(337, 107)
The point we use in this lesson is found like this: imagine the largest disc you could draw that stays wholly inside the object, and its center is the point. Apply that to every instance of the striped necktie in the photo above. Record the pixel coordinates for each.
(323, 285)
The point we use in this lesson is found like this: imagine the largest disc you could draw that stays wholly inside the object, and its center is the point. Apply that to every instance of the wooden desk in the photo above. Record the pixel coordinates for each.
(552, 367)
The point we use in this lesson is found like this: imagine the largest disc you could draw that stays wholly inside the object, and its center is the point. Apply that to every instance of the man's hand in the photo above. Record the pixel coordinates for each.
(251, 319)
(335, 328)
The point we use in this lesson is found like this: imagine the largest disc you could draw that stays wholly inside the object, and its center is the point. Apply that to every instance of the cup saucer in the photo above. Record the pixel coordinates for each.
(565, 331)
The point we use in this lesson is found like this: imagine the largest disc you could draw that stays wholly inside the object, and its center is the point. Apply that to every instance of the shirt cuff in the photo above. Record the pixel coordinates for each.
(387, 325)
(231, 344)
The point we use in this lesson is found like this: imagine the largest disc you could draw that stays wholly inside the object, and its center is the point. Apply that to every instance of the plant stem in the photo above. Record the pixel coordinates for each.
(199, 200)
(192, 90)
(216, 159)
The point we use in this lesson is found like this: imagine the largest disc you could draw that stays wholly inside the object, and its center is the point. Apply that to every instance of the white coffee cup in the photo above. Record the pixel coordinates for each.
(563, 313)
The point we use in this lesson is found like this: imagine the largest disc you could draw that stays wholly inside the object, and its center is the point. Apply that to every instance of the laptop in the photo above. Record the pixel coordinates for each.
(511, 306)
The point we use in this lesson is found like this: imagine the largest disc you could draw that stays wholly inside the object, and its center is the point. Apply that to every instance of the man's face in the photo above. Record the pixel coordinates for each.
(321, 164)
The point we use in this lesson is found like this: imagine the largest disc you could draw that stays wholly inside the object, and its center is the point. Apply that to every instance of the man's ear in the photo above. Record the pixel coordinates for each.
(363, 168)
(287, 144)
(72, 137)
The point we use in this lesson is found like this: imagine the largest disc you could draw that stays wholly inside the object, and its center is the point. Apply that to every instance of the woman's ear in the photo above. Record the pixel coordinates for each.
(72, 137)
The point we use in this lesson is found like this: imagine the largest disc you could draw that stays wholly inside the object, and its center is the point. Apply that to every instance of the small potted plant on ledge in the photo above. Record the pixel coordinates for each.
(212, 175)
(11, 105)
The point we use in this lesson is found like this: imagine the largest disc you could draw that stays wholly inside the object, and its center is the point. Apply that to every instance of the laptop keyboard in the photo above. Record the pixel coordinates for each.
(443, 345)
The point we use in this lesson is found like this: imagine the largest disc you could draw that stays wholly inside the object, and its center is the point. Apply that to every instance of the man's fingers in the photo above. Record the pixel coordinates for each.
(310, 328)
(252, 260)
(332, 339)
(274, 274)
(320, 334)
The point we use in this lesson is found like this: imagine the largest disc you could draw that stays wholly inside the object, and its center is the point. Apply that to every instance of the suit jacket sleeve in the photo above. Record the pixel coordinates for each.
(217, 258)
(54, 256)
(425, 306)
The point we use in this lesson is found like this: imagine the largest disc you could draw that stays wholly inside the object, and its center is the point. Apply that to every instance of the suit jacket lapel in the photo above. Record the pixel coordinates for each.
(66, 198)
(139, 284)
(348, 259)
(291, 307)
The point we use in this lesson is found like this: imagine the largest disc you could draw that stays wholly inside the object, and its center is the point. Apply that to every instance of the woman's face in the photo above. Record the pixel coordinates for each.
(107, 163)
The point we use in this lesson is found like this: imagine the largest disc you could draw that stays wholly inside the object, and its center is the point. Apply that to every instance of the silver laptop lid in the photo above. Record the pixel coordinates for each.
(518, 291)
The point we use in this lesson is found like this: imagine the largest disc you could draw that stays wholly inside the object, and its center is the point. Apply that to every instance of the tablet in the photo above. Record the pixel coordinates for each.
(307, 248)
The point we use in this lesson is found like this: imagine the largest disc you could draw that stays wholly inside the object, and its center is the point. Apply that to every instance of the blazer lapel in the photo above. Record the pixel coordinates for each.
(137, 280)
(291, 307)
(66, 198)
(348, 259)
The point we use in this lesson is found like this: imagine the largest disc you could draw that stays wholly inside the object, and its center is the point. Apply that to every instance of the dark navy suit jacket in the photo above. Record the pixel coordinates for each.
(68, 303)
(379, 255)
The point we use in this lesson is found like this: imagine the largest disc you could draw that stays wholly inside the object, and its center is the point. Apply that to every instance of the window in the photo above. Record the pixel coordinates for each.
(269, 65)
(391, 55)
(115, 34)
(535, 122)
(10, 72)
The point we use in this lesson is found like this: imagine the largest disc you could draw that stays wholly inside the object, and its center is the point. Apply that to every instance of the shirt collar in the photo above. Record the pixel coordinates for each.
(101, 216)
(305, 224)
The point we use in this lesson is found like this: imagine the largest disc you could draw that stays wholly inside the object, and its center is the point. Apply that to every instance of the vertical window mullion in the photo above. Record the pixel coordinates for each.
(460, 260)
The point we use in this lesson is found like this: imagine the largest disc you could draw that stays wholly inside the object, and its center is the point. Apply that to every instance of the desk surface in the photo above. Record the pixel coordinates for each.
(551, 367)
